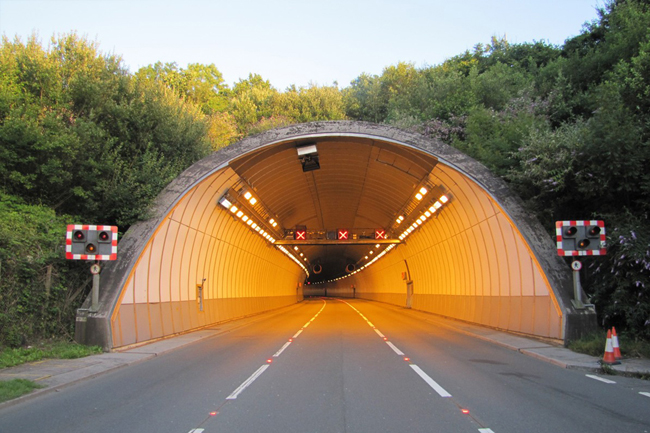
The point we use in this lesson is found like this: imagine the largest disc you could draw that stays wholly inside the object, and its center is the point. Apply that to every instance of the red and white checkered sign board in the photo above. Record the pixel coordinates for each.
(69, 254)
(563, 250)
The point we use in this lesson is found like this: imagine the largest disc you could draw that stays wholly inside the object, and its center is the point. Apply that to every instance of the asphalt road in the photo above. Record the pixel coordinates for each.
(332, 366)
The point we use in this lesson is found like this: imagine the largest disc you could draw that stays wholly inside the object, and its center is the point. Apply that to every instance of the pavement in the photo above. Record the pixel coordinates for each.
(55, 374)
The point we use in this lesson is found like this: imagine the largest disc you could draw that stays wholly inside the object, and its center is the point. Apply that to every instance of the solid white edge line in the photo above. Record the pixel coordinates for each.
(379, 333)
(279, 352)
(297, 334)
(485, 430)
(196, 430)
(432, 383)
(647, 394)
(247, 382)
(395, 349)
(602, 379)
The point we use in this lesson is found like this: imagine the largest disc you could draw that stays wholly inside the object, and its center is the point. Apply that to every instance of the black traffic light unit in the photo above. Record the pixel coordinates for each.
(580, 238)
(91, 242)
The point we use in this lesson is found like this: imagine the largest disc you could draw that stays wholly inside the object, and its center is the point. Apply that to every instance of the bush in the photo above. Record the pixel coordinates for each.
(39, 290)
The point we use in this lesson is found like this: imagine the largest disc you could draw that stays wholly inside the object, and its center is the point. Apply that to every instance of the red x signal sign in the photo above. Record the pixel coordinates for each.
(343, 235)
(300, 235)
(380, 234)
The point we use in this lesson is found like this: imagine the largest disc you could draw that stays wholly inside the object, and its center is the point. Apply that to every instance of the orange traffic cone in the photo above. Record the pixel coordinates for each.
(617, 350)
(609, 358)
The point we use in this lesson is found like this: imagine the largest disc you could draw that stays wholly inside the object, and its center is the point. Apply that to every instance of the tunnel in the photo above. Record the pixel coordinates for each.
(343, 209)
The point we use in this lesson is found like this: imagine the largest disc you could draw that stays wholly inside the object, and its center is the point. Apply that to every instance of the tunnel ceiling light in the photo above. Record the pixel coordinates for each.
(249, 196)
(444, 198)
(423, 191)
(309, 149)
(223, 201)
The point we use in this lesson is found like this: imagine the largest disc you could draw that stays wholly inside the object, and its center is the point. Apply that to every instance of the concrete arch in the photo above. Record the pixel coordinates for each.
(479, 258)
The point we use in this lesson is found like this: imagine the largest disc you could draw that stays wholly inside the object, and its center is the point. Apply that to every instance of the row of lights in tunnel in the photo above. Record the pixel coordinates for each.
(435, 206)
(229, 204)
(419, 196)
(257, 227)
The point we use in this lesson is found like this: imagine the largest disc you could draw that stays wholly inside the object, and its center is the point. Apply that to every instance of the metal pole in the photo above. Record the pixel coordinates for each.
(577, 289)
(94, 307)
(95, 270)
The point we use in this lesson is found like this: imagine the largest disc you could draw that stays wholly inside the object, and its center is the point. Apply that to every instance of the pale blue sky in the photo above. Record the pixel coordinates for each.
(295, 41)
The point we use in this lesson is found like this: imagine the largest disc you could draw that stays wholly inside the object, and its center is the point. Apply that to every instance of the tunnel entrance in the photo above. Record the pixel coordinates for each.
(347, 208)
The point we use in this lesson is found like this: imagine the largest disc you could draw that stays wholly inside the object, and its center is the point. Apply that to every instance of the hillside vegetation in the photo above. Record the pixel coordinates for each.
(83, 139)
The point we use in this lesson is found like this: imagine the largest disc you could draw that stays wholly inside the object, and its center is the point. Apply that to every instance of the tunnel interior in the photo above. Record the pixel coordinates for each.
(348, 206)
(336, 208)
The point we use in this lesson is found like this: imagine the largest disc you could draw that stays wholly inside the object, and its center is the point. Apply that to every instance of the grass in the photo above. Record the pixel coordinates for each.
(46, 350)
(594, 345)
(11, 389)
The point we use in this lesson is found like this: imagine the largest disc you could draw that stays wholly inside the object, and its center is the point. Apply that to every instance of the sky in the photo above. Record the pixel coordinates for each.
(295, 42)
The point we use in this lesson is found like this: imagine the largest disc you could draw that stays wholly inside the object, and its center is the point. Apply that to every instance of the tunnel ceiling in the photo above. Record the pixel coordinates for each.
(361, 185)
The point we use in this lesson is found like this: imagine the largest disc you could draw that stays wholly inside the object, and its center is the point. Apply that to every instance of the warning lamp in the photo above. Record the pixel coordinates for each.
(570, 232)
(79, 236)
(91, 248)
(104, 236)
(593, 231)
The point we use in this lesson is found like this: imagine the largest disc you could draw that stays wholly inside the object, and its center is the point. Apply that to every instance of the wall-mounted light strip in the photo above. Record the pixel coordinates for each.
(292, 257)
(255, 227)
(435, 206)
(248, 220)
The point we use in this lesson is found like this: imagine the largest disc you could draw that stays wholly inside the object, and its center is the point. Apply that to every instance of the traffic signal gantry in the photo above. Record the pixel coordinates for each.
(580, 238)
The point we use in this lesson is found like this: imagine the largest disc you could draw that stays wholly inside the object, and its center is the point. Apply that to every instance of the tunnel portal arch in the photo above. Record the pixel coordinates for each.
(220, 243)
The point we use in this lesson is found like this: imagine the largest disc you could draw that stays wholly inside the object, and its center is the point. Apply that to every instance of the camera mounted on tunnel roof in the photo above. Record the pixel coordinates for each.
(580, 238)
(308, 156)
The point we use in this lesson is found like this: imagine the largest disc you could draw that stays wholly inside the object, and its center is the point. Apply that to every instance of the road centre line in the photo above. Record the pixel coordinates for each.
(485, 430)
(247, 382)
(432, 383)
(602, 379)
(263, 368)
(379, 333)
(197, 430)
(395, 349)
(279, 352)
(647, 394)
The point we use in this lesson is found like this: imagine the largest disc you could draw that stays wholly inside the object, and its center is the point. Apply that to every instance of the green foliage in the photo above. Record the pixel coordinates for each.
(47, 350)
(10, 389)
(39, 289)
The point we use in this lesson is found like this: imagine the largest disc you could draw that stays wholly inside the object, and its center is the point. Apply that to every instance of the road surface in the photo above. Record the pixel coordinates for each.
(329, 366)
